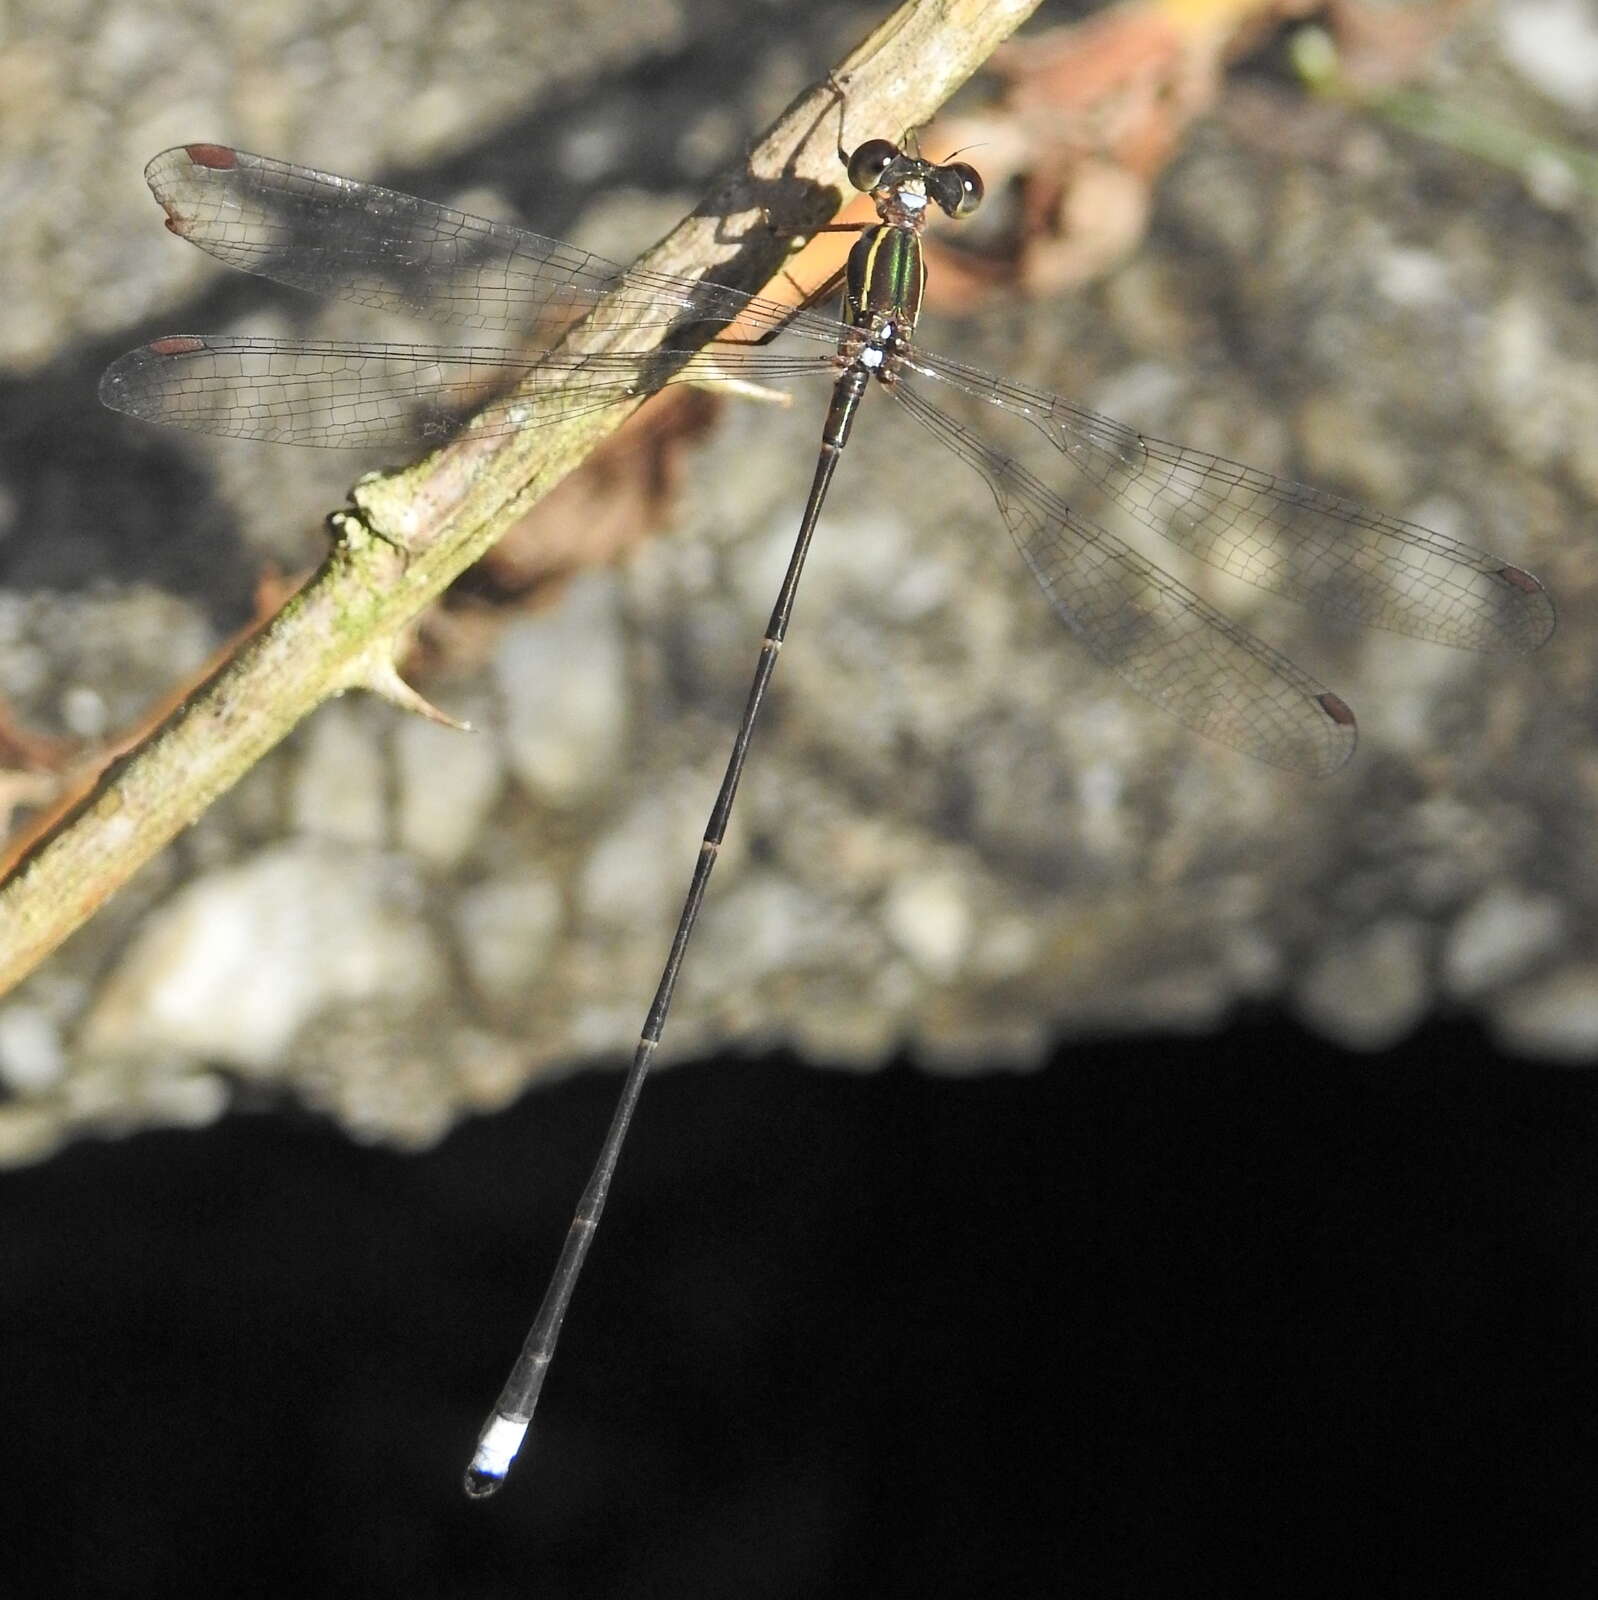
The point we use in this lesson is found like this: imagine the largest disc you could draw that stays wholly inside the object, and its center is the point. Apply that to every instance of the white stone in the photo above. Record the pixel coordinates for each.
(31, 1057)
(448, 783)
(1554, 43)
(763, 925)
(928, 918)
(1368, 992)
(1418, 280)
(506, 929)
(1499, 938)
(339, 779)
(1007, 946)
(563, 679)
(85, 712)
(231, 967)
(189, 1100)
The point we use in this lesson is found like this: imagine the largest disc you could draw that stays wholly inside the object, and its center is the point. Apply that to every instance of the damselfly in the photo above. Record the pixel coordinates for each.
(335, 236)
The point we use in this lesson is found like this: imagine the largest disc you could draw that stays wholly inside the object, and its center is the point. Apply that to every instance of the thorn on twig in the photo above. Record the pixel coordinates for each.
(381, 677)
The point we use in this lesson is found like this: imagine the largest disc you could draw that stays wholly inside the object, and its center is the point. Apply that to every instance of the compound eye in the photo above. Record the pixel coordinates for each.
(869, 162)
(959, 189)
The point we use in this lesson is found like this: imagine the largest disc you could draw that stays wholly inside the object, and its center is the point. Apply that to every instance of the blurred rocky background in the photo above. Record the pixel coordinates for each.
(1212, 1286)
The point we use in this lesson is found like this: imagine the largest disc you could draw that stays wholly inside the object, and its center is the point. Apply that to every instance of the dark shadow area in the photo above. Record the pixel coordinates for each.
(98, 501)
(1181, 1318)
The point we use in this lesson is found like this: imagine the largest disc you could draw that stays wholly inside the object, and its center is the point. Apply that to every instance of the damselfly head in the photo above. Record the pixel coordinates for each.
(881, 169)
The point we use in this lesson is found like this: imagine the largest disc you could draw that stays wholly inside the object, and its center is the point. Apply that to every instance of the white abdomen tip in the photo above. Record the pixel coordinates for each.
(496, 1449)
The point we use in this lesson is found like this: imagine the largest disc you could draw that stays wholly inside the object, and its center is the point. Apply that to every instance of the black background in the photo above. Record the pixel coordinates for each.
(1179, 1318)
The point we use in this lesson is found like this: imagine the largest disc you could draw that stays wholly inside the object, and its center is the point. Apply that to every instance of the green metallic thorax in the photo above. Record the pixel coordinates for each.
(885, 278)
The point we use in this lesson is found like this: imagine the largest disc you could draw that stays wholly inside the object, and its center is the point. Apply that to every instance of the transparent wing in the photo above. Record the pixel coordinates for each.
(358, 241)
(1330, 554)
(332, 393)
(1188, 658)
